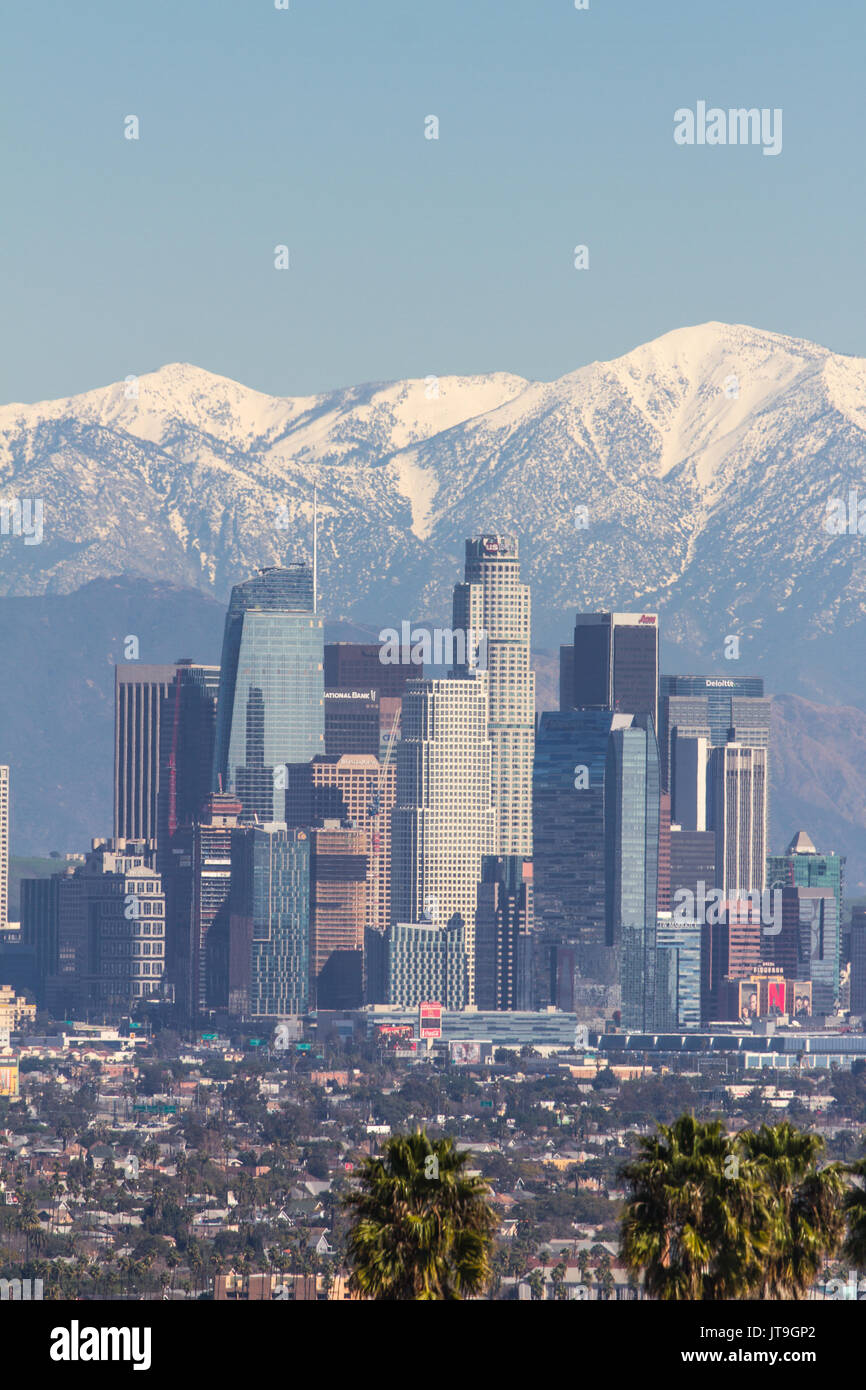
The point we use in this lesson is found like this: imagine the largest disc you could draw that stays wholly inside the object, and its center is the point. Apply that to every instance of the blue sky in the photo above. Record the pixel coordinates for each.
(305, 127)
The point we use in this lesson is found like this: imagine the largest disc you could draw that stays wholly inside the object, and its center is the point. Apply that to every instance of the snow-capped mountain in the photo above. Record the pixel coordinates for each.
(704, 460)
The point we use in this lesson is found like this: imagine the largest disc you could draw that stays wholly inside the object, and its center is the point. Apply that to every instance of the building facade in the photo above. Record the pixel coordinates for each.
(197, 882)
(631, 861)
(678, 973)
(613, 663)
(693, 862)
(807, 947)
(504, 934)
(858, 961)
(140, 696)
(110, 932)
(444, 821)
(802, 866)
(40, 928)
(271, 697)
(164, 718)
(358, 791)
(187, 731)
(269, 922)
(352, 722)
(427, 963)
(493, 601)
(737, 794)
(730, 710)
(338, 915)
(4, 846)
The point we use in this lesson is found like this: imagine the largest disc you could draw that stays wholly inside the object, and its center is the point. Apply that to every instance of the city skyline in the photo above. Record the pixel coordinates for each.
(459, 810)
(433, 630)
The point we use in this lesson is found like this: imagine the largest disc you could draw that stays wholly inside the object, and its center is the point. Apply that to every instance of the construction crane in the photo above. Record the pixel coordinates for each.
(374, 810)
(376, 803)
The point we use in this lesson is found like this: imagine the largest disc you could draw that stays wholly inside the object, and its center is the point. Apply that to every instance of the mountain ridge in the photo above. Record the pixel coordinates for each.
(703, 461)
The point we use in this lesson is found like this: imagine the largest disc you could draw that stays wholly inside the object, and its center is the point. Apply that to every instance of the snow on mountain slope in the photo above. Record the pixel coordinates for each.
(704, 461)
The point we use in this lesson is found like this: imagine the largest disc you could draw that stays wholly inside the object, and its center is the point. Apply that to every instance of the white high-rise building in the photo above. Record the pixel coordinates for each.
(689, 781)
(738, 805)
(4, 847)
(493, 600)
(444, 820)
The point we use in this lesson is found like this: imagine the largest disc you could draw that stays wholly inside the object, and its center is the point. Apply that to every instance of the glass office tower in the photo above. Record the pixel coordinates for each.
(803, 866)
(271, 700)
(268, 953)
(631, 857)
(568, 810)
(678, 974)
(729, 710)
(613, 664)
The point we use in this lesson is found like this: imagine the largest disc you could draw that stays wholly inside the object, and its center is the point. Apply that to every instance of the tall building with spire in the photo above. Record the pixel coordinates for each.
(492, 600)
(271, 697)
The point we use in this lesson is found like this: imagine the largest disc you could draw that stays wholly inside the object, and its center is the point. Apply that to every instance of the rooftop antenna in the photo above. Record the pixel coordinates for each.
(315, 544)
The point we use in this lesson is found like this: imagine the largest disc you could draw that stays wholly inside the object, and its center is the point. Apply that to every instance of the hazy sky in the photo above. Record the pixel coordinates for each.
(306, 127)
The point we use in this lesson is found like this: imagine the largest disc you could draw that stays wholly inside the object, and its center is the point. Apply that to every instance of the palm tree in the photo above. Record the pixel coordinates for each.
(196, 1264)
(805, 1214)
(420, 1228)
(557, 1276)
(150, 1154)
(693, 1229)
(855, 1211)
(28, 1221)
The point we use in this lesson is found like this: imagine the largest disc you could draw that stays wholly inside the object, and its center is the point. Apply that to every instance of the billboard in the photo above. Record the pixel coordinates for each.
(395, 1034)
(801, 999)
(769, 996)
(429, 1020)
(463, 1054)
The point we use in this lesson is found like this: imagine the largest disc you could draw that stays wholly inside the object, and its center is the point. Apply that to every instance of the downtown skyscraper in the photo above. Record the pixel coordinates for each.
(444, 820)
(492, 600)
(163, 747)
(271, 697)
(631, 815)
(721, 710)
(267, 954)
(140, 698)
(737, 797)
(613, 663)
(4, 846)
